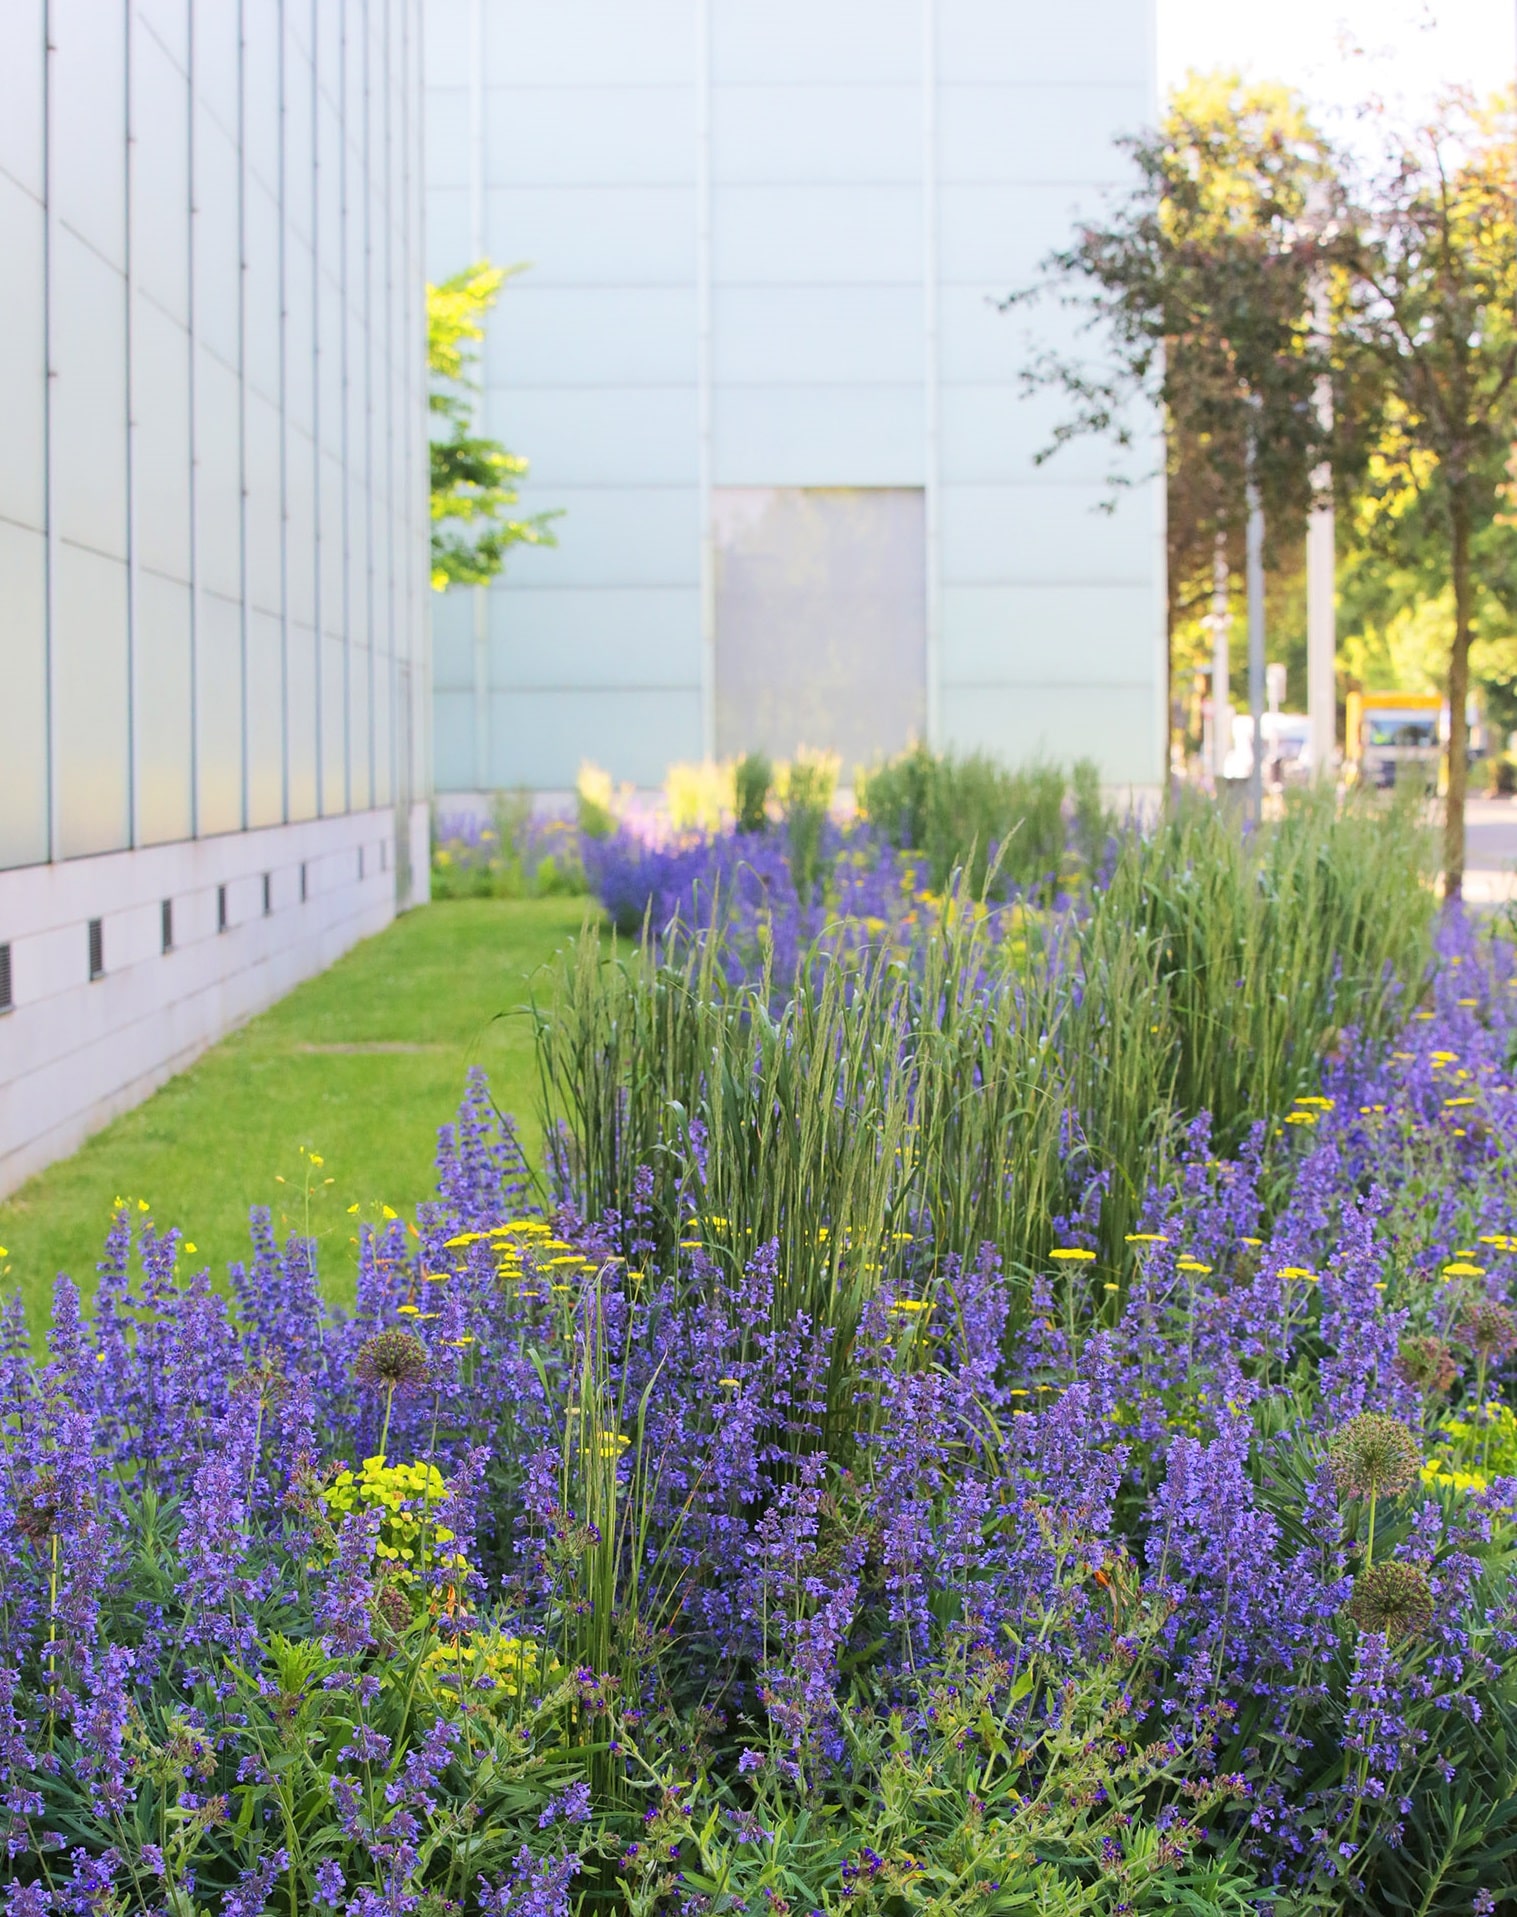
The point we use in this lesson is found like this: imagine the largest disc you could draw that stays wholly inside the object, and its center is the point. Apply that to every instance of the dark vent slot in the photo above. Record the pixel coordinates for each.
(268, 894)
(6, 1000)
(97, 949)
(221, 917)
(360, 865)
(302, 885)
(167, 922)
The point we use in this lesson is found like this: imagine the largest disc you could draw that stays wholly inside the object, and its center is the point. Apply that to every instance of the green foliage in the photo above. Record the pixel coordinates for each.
(1001, 827)
(753, 779)
(1200, 285)
(940, 1812)
(809, 786)
(517, 856)
(473, 483)
(595, 802)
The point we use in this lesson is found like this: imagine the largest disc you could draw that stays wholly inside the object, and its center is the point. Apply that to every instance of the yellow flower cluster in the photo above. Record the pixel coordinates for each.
(485, 1667)
(407, 1494)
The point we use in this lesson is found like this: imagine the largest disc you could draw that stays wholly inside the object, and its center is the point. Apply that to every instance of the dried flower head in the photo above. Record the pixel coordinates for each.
(1373, 1456)
(37, 1508)
(1489, 1329)
(1394, 1597)
(391, 1359)
(1428, 1364)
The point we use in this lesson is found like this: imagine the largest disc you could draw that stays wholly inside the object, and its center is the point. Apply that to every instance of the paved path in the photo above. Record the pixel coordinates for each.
(1490, 851)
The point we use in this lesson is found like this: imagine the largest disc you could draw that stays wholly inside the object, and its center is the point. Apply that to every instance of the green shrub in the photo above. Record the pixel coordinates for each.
(1001, 828)
(516, 856)
(752, 779)
(809, 789)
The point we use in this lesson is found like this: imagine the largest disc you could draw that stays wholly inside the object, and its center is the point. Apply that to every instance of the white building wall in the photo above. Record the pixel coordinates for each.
(213, 520)
(764, 246)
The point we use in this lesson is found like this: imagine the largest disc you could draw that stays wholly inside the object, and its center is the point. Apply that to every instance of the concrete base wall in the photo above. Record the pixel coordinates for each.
(75, 1051)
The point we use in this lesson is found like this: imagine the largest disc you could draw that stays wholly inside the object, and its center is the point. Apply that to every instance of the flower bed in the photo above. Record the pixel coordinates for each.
(891, 1510)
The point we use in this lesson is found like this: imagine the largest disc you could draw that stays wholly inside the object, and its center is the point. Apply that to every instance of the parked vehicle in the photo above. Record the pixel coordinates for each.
(1287, 748)
(1391, 736)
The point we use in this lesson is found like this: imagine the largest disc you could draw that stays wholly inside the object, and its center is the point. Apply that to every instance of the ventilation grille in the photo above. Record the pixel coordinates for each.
(6, 1000)
(168, 925)
(221, 917)
(268, 894)
(97, 949)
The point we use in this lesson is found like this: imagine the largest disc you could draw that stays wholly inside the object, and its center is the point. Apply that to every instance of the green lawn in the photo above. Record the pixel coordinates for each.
(359, 1066)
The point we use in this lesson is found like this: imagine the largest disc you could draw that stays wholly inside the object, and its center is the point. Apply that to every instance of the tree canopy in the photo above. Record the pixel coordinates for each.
(1252, 266)
(473, 477)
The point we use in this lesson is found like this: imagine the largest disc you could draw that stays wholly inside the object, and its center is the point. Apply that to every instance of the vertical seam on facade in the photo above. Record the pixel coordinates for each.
(346, 307)
(244, 611)
(931, 487)
(389, 387)
(318, 635)
(284, 434)
(133, 689)
(50, 423)
(479, 607)
(410, 112)
(370, 621)
(703, 376)
(194, 501)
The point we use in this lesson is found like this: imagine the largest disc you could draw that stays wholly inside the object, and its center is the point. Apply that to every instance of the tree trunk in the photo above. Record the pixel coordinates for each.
(1459, 692)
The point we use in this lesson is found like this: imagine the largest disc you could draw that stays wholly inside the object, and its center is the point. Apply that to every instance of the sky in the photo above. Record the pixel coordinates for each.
(1341, 51)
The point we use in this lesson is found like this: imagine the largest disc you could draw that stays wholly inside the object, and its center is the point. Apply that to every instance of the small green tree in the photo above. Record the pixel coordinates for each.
(473, 478)
(1425, 280)
(1196, 292)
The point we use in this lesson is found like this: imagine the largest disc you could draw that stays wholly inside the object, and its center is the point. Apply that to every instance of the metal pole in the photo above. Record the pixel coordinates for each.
(1256, 646)
(1321, 555)
(1221, 639)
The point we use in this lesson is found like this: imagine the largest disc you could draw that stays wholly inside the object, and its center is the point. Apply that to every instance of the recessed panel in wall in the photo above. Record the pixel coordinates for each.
(821, 620)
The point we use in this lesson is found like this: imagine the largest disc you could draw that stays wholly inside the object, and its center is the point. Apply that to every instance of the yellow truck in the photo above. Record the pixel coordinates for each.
(1389, 736)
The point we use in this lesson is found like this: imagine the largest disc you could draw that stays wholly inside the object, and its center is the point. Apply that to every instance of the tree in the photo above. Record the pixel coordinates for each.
(473, 478)
(1425, 270)
(1197, 289)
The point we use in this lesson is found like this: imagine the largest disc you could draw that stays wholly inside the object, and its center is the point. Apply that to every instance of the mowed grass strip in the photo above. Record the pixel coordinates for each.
(358, 1067)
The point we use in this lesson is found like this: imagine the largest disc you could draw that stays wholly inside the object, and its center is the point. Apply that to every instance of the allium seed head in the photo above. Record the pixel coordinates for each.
(37, 1508)
(1489, 1329)
(1394, 1597)
(1428, 1364)
(391, 1359)
(1373, 1456)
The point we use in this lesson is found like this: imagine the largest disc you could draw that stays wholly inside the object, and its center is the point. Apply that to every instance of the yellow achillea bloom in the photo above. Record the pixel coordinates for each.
(1073, 1255)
